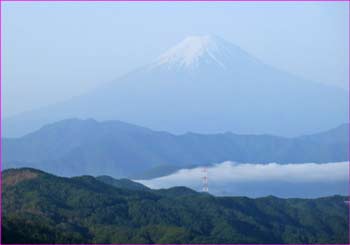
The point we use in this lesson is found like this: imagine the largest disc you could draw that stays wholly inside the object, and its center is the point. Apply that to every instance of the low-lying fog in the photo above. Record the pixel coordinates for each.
(256, 180)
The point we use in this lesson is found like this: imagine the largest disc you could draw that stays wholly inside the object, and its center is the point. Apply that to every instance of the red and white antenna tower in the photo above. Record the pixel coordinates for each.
(205, 179)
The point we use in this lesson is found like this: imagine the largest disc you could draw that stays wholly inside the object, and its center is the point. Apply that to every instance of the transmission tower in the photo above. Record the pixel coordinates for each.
(205, 179)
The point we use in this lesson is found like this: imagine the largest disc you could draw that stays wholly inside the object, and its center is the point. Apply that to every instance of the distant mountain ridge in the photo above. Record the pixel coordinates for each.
(207, 85)
(78, 147)
(42, 208)
(122, 183)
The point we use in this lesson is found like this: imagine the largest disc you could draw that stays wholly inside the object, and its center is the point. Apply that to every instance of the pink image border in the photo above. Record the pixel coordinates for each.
(198, 1)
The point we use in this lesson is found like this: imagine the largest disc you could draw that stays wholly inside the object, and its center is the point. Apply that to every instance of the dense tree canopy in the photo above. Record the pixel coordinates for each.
(43, 208)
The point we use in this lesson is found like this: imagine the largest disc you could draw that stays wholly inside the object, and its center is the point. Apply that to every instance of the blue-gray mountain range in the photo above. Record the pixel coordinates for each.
(77, 147)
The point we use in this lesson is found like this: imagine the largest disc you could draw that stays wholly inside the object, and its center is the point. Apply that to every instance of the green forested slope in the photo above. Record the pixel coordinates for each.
(42, 208)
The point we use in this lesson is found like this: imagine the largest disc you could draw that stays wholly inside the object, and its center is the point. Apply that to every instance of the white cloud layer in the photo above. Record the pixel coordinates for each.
(288, 180)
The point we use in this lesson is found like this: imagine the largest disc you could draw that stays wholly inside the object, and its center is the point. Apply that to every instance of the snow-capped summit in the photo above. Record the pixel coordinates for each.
(191, 50)
(195, 51)
(204, 84)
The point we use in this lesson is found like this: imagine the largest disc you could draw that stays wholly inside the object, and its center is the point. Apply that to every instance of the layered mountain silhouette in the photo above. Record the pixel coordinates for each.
(206, 85)
(76, 147)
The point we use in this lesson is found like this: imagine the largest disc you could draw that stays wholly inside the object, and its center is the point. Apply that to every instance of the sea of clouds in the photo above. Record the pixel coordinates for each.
(256, 180)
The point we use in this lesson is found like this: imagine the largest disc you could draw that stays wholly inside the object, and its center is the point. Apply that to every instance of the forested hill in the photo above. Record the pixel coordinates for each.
(43, 208)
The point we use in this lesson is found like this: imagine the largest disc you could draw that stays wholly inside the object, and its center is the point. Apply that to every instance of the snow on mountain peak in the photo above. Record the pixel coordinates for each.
(192, 50)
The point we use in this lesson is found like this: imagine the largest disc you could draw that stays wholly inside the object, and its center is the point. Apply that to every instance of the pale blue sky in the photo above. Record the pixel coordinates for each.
(53, 51)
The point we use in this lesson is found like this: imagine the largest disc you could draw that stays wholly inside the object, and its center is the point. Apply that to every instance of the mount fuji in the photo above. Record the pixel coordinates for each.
(203, 84)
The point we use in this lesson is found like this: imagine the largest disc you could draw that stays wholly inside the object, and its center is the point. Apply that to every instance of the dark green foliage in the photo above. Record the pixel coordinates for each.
(30, 229)
(43, 208)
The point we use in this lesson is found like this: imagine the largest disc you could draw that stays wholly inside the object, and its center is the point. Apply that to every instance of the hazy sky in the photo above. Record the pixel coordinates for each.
(53, 51)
